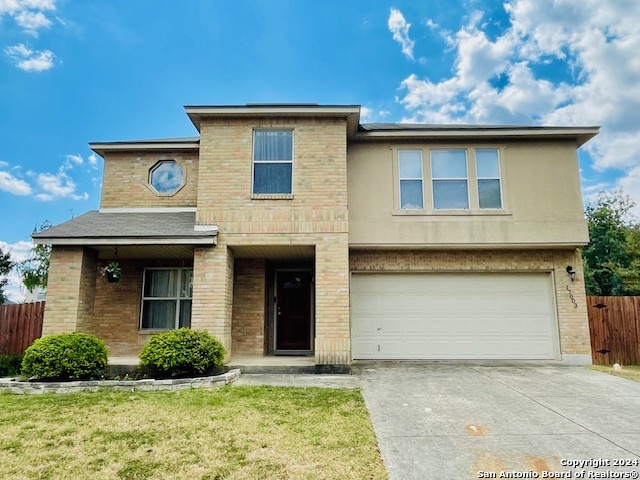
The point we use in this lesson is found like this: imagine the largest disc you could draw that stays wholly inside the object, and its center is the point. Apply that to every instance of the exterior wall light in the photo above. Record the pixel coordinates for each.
(571, 272)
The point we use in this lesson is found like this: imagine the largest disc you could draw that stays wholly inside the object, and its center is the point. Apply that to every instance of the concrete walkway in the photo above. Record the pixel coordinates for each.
(447, 421)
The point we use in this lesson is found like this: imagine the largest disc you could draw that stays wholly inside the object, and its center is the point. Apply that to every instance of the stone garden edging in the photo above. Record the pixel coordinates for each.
(10, 385)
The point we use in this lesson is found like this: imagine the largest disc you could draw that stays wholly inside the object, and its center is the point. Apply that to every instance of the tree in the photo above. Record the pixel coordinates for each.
(34, 271)
(612, 258)
(5, 268)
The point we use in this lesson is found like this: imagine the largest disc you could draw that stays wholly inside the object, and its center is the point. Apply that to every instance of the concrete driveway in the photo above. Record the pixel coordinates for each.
(453, 421)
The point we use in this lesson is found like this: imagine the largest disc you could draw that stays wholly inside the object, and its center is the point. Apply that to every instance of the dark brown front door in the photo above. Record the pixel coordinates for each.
(293, 311)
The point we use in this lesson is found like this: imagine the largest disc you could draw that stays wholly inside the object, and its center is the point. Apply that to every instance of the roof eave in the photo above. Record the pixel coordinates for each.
(102, 148)
(581, 135)
(350, 112)
(120, 241)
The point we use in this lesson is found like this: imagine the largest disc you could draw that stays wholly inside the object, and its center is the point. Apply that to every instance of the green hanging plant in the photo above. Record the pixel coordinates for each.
(112, 272)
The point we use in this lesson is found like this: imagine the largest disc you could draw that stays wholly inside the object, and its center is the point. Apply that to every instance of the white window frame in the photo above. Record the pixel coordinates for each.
(499, 177)
(253, 159)
(400, 179)
(433, 179)
(177, 298)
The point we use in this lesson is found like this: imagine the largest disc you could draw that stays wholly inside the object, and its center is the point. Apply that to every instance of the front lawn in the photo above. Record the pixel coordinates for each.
(227, 433)
(630, 372)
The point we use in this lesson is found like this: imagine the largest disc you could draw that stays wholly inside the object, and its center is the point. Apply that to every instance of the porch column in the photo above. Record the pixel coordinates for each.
(70, 290)
(333, 343)
(212, 299)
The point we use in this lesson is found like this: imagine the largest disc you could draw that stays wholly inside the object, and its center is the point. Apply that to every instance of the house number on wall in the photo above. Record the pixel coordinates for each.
(573, 300)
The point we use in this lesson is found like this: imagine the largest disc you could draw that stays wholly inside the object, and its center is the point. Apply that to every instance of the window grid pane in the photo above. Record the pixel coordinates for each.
(489, 193)
(450, 194)
(487, 163)
(411, 197)
(410, 164)
(272, 145)
(449, 164)
(272, 178)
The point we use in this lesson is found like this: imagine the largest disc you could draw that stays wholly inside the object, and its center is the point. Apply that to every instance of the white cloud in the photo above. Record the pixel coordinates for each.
(399, 27)
(3, 164)
(30, 60)
(14, 6)
(11, 184)
(93, 160)
(32, 21)
(59, 185)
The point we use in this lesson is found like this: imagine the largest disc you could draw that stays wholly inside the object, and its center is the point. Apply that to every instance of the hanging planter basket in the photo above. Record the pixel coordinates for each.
(112, 278)
(112, 272)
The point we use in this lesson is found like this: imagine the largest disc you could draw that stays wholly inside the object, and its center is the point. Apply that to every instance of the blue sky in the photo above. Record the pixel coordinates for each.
(72, 72)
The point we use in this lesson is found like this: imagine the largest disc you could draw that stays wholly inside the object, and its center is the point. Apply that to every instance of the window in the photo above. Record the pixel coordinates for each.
(488, 172)
(272, 161)
(449, 179)
(410, 174)
(166, 177)
(166, 298)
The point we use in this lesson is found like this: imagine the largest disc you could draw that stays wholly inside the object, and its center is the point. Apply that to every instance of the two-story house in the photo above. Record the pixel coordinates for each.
(296, 230)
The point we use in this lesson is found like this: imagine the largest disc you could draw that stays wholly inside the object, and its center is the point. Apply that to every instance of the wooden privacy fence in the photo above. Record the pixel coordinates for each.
(20, 325)
(615, 330)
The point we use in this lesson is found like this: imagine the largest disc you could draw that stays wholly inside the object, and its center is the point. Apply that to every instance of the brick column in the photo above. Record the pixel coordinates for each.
(213, 292)
(70, 290)
(575, 339)
(333, 344)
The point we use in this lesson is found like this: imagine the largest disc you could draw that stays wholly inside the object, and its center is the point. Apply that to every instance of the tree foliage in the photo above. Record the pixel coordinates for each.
(34, 271)
(5, 267)
(612, 258)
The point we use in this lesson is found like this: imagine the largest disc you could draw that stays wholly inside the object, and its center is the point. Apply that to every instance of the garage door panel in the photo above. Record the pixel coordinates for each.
(449, 316)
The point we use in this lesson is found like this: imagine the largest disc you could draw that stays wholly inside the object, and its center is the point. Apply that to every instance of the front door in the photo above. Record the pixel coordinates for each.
(293, 311)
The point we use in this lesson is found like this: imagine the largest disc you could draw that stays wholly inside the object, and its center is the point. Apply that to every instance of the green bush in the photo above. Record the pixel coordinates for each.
(66, 356)
(181, 353)
(10, 365)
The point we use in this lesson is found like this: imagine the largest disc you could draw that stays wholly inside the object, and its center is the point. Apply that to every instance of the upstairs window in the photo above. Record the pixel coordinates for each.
(488, 173)
(410, 174)
(166, 298)
(272, 161)
(166, 177)
(449, 179)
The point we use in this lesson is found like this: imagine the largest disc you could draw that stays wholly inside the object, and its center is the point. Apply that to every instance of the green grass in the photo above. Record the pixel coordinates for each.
(228, 433)
(630, 372)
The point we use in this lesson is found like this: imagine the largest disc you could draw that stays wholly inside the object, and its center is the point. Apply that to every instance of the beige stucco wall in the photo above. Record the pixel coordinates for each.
(126, 180)
(541, 191)
(573, 323)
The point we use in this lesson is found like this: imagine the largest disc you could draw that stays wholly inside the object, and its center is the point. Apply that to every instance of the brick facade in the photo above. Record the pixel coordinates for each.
(314, 215)
(248, 316)
(573, 322)
(126, 180)
(69, 306)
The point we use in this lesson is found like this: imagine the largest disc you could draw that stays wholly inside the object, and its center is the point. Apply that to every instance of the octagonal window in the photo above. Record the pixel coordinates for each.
(166, 177)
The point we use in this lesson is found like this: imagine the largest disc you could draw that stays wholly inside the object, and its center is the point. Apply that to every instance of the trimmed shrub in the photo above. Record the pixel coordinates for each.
(10, 365)
(66, 356)
(181, 353)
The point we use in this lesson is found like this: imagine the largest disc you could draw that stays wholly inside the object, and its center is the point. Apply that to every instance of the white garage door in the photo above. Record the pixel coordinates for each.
(452, 316)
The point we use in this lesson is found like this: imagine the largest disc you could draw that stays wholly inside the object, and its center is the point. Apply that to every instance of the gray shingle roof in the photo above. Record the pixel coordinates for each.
(94, 224)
